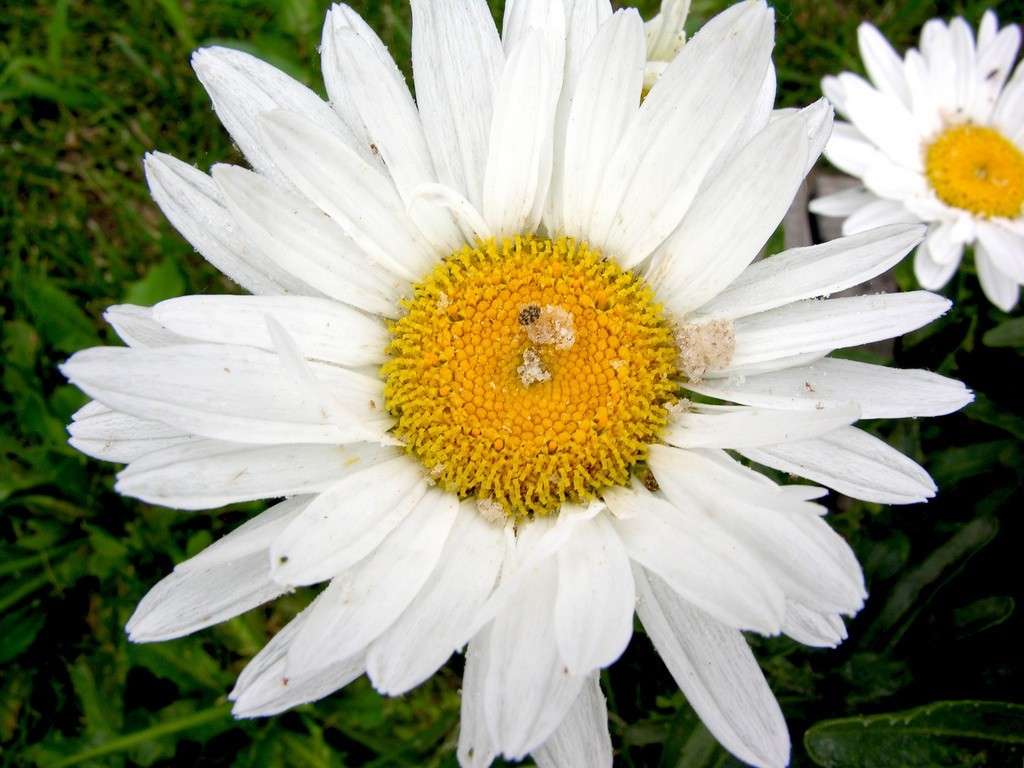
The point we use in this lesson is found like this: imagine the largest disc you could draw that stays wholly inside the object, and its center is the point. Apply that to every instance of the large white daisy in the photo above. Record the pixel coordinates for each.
(488, 365)
(938, 137)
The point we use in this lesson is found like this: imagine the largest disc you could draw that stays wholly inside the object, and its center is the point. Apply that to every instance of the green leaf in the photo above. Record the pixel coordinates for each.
(17, 631)
(957, 734)
(163, 281)
(58, 316)
(987, 412)
(1008, 334)
(982, 614)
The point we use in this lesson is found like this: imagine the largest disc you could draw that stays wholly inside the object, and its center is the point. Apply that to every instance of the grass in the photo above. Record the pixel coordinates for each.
(86, 88)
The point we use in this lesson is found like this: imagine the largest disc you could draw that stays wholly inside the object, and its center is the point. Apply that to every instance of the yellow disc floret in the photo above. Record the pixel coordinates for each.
(529, 372)
(977, 169)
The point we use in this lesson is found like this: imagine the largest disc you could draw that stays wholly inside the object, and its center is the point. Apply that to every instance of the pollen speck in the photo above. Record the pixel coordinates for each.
(529, 373)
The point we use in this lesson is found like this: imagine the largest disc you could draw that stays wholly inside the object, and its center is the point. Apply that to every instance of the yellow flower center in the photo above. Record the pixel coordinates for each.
(977, 169)
(528, 373)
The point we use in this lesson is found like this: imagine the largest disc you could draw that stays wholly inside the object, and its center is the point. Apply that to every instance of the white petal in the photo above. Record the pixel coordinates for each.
(349, 190)
(937, 48)
(931, 274)
(347, 521)
(242, 86)
(883, 65)
(465, 214)
(848, 150)
(701, 562)
(363, 601)
(966, 76)
(519, 154)
(787, 536)
(732, 218)
(1000, 289)
(826, 324)
(192, 202)
(852, 462)
(204, 474)
(594, 608)
(219, 583)
(995, 62)
(688, 117)
(606, 97)
(436, 622)
(817, 270)
(476, 749)
(527, 689)
(928, 116)
(264, 689)
(380, 95)
(302, 241)
(894, 182)
(109, 435)
(878, 214)
(1004, 248)
(813, 628)
(229, 393)
(722, 426)
(841, 203)
(666, 31)
(323, 329)
(1008, 115)
(883, 120)
(833, 90)
(582, 740)
(137, 327)
(457, 62)
(717, 673)
(879, 391)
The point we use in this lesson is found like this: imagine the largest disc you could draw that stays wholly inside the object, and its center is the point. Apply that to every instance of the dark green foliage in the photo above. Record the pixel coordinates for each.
(86, 88)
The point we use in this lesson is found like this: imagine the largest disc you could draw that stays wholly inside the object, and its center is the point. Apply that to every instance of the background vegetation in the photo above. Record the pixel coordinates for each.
(85, 89)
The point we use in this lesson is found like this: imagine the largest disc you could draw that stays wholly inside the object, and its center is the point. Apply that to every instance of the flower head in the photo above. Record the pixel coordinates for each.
(501, 339)
(936, 137)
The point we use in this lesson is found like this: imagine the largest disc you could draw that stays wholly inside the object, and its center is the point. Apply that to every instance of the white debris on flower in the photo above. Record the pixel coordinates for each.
(532, 368)
(704, 347)
(554, 326)
(490, 510)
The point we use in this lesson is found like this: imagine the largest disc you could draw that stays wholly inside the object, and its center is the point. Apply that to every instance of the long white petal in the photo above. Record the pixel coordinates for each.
(203, 474)
(348, 189)
(1000, 289)
(582, 740)
(476, 748)
(363, 601)
(231, 393)
(606, 97)
(879, 213)
(849, 150)
(815, 325)
(219, 583)
(1004, 248)
(519, 153)
(527, 689)
(109, 435)
(687, 119)
(722, 426)
(884, 120)
(264, 689)
(347, 522)
(732, 218)
(137, 327)
(813, 628)
(457, 62)
(436, 622)
(879, 391)
(852, 462)
(242, 87)
(883, 65)
(594, 607)
(714, 668)
(816, 270)
(195, 206)
(700, 561)
(786, 535)
(302, 241)
(323, 329)
(841, 203)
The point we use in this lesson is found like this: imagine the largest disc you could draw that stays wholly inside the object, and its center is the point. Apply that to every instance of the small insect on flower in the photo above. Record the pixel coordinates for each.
(476, 367)
(937, 137)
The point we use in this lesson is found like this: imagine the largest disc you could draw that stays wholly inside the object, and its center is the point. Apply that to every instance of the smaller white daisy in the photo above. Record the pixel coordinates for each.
(938, 137)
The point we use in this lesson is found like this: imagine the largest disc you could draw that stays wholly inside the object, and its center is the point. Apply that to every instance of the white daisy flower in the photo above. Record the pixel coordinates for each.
(481, 327)
(938, 137)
